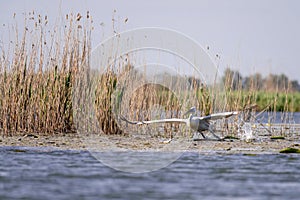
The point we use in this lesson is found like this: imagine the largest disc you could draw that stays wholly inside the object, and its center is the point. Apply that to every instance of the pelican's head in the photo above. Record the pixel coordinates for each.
(191, 111)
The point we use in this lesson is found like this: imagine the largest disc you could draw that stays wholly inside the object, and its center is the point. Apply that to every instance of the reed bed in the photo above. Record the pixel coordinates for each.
(47, 87)
(37, 77)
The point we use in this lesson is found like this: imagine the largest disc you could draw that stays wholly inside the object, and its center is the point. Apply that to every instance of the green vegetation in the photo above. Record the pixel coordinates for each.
(274, 93)
(249, 154)
(279, 102)
(228, 137)
(290, 150)
(271, 101)
(277, 138)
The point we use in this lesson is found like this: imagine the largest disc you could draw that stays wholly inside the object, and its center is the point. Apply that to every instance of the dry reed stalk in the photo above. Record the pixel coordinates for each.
(103, 104)
(37, 82)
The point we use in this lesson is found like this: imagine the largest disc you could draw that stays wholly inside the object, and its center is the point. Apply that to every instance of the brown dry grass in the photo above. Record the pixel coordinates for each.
(37, 80)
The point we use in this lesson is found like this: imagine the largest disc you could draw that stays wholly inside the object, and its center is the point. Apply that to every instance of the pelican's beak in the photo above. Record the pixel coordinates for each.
(192, 110)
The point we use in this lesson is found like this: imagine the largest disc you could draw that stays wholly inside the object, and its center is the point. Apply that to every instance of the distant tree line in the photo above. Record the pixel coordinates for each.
(235, 81)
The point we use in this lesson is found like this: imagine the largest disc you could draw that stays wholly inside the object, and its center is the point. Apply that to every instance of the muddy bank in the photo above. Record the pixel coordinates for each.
(147, 143)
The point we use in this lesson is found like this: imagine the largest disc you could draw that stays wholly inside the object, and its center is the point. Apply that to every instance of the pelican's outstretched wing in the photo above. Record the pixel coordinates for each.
(219, 115)
(171, 120)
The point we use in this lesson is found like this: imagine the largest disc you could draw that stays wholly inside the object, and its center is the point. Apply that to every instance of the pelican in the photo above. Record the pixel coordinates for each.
(198, 124)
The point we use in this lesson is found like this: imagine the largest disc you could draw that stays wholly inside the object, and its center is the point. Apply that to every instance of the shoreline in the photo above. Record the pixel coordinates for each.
(111, 143)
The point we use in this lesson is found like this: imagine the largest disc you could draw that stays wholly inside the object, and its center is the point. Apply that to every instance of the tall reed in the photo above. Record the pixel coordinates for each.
(37, 78)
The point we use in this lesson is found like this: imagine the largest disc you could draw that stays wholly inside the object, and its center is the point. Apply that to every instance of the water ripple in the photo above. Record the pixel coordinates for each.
(35, 173)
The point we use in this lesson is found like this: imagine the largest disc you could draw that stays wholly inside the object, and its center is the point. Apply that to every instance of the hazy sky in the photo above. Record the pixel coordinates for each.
(249, 35)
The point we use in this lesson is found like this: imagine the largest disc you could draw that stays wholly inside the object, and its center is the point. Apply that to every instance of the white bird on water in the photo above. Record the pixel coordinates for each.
(198, 124)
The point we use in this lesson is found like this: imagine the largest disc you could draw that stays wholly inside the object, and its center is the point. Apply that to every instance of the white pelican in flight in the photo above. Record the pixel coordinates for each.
(198, 124)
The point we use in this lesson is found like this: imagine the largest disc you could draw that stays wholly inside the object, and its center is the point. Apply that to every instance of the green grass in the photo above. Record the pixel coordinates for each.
(277, 138)
(278, 102)
(290, 150)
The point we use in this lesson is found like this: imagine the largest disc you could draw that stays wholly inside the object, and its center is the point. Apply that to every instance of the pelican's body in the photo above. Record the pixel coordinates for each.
(198, 124)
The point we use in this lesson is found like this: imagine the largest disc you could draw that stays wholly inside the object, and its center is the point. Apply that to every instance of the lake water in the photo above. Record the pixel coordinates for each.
(279, 117)
(39, 173)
